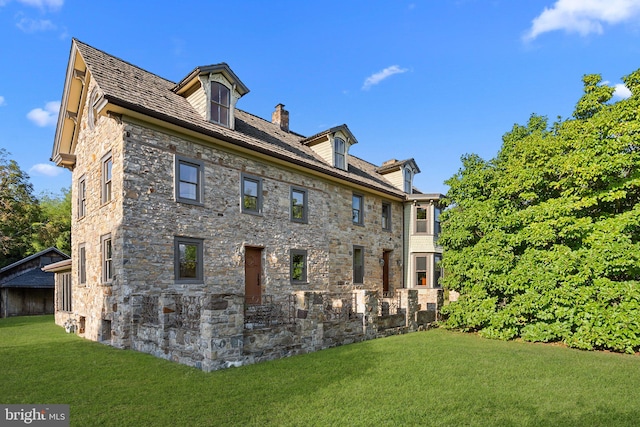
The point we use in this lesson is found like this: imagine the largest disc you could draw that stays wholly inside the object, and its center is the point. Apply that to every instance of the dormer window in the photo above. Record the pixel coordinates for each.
(407, 180)
(220, 104)
(339, 149)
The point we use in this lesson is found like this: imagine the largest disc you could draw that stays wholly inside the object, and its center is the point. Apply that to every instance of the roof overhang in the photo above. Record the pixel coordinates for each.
(222, 68)
(73, 97)
(58, 267)
(330, 133)
(112, 105)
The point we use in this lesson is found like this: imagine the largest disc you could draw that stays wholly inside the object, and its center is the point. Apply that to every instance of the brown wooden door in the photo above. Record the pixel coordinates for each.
(252, 275)
(385, 271)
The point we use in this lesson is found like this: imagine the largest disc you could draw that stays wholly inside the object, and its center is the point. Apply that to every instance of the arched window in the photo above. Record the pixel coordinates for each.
(220, 104)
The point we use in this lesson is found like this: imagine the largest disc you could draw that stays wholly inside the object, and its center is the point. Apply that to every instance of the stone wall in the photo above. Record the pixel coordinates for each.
(208, 331)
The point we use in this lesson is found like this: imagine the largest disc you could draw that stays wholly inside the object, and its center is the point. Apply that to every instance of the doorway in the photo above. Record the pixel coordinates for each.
(253, 275)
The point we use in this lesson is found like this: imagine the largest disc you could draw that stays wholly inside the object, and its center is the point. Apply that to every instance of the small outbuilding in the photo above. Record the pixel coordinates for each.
(25, 289)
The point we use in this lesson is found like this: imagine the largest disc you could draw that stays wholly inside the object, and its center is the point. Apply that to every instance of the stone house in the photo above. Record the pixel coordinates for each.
(191, 216)
(25, 289)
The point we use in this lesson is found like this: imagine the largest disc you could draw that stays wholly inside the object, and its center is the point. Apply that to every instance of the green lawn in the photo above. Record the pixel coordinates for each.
(426, 378)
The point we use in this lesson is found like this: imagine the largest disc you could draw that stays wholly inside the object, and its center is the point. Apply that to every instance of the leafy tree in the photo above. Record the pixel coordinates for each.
(543, 241)
(54, 228)
(19, 211)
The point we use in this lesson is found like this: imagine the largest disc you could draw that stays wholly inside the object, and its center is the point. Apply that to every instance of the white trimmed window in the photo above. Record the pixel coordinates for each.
(107, 167)
(339, 153)
(220, 104)
(107, 258)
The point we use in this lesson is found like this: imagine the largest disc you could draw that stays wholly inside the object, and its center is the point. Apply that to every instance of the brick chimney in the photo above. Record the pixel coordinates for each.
(280, 117)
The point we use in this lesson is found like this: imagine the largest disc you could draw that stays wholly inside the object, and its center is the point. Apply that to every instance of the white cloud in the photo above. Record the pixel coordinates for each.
(621, 91)
(2, 101)
(582, 16)
(376, 78)
(45, 169)
(46, 117)
(42, 4)
(29, 25)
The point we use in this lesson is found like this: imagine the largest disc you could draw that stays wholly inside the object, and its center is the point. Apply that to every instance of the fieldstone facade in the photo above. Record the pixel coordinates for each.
(130, 218)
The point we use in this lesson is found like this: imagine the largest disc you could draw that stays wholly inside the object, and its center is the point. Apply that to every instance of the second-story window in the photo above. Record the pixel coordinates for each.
(339, 156)
(386, 216)
(357, 205)
(82, 197)
(298, 205)
(189, 180)
(220, 101)
(421, 219)
(251, 195)
(436, 222)
(107, 166)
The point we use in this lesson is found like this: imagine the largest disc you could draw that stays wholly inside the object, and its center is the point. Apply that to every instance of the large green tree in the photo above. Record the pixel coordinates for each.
(543, 241)
(19, 211)
(54, 228)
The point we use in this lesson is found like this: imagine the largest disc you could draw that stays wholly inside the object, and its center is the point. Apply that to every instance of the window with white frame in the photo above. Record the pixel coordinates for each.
(82, 197)
(407, 181)
(189, 181)
(436, 221)
(298, 265)
(107, 258)
(421, 218)
(339, 153)
(420, 269)
(107, 167)
(437, 270)
(63, 294)
(82, 264)
(220, 104)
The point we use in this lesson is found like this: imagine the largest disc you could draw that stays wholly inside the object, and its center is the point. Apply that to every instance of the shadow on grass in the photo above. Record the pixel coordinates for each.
(427, 378)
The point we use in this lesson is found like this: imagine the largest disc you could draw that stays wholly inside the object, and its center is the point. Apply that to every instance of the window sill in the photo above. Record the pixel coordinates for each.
(190, 202)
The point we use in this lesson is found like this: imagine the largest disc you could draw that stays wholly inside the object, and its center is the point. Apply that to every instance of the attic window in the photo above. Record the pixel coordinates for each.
(407, 180)
(339, 149)
(220, 104)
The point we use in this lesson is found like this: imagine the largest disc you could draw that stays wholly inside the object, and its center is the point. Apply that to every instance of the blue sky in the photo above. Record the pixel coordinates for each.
(429, 80)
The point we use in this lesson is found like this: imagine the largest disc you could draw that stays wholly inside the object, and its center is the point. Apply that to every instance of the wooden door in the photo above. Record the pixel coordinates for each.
(385, 271)
(252, 275)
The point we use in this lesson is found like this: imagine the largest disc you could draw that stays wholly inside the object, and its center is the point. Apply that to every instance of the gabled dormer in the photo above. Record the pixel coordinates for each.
(400, 173)
(333, 145)
(213, 90)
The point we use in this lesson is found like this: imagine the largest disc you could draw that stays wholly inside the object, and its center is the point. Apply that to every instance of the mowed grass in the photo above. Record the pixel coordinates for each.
(427, 378)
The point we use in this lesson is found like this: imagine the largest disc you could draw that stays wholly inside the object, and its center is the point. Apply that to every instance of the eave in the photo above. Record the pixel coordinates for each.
(121, 107)
(73, 97)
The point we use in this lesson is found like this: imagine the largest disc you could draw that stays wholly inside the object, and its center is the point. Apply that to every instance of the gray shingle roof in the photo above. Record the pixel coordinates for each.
(34, 256)
(131, 87)
(34, 278)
